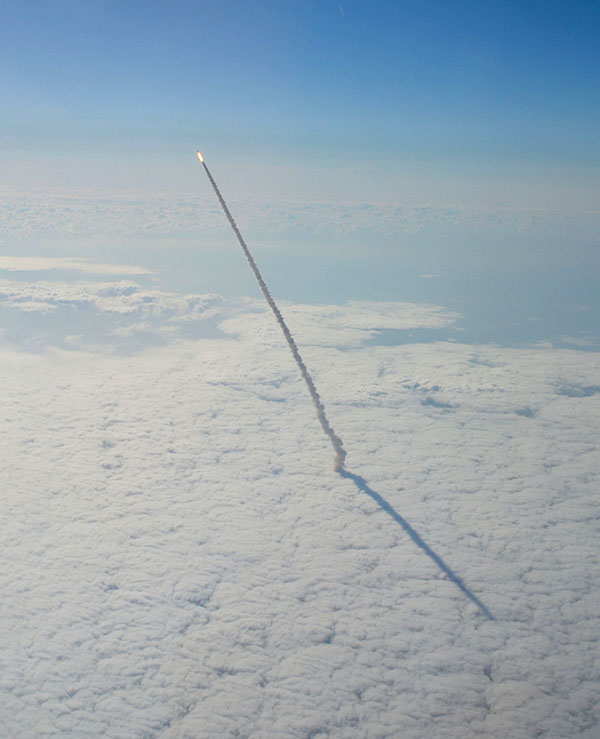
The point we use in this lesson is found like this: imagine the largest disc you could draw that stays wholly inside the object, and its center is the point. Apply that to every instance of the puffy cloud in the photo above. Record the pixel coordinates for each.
(123, 297)
(121, 313)
(179, 559)
(124, 308)
(345, 325)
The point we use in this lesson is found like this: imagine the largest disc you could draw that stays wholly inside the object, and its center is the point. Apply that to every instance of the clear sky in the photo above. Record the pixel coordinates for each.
(455, 139)
(476, 79)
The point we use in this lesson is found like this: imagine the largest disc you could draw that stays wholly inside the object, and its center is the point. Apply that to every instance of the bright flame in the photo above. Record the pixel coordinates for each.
(200, 157)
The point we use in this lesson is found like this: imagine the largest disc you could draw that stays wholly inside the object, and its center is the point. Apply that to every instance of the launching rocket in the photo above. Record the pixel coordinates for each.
(336, 442)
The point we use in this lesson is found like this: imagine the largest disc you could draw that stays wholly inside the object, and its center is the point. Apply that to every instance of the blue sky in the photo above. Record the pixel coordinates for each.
(390, 139)
(468, 79)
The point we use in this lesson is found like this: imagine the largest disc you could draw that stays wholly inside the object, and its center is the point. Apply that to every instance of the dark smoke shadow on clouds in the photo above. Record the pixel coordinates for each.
(362, 485)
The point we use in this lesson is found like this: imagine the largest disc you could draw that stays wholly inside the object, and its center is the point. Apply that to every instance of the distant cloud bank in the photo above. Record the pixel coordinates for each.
(44, 264)
(50, 216)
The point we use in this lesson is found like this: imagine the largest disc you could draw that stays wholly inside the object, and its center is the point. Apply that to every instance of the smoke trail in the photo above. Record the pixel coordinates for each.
(336, 442)
(340, 453)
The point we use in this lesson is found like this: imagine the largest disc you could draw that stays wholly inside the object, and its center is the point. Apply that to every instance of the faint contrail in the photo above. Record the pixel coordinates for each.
(340, 453)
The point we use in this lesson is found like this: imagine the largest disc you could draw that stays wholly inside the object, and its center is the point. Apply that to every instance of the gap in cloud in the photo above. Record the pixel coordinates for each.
(573, 390)
(497, 304)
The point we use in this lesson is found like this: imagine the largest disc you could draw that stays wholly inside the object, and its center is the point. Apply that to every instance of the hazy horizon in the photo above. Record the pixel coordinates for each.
(418, 184)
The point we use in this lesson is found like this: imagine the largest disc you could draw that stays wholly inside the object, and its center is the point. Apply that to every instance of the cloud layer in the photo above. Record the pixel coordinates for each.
(179, 559)
(123, 309)
(85, 216)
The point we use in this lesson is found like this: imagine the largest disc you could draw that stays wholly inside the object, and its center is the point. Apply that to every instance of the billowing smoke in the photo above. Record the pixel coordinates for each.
(340, 453)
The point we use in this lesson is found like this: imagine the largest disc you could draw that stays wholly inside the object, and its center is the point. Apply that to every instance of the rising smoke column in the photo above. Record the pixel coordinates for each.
(336, 442)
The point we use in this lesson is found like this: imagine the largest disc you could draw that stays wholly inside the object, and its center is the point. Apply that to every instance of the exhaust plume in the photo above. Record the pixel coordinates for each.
(336, 442)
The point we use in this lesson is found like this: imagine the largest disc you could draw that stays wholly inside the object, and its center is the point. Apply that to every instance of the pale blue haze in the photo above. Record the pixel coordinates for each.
(479, 118)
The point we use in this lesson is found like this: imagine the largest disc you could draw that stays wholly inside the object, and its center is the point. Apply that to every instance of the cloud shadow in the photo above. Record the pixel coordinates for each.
(362, 485)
